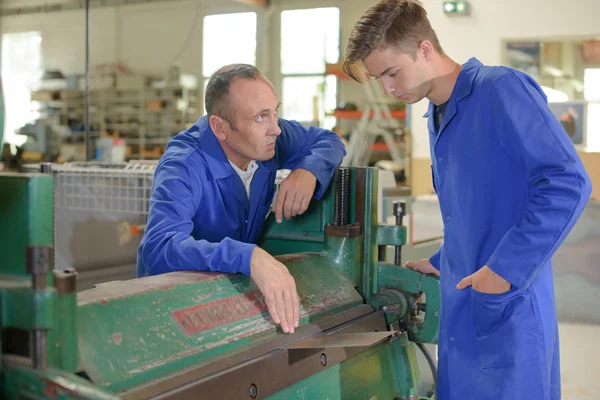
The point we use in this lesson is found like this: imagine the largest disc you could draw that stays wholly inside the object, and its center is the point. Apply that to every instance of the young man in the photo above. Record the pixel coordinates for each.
(215, 183)
(510, 186)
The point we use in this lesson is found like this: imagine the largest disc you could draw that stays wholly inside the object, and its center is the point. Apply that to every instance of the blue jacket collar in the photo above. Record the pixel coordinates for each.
(210, 146)
(464, 83)
(462, 89)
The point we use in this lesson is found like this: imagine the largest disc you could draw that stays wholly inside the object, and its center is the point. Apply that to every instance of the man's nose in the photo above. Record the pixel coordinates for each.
(388, 89)
(275, 130)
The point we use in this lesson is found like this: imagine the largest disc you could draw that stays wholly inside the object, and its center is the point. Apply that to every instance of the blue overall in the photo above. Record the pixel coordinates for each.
(200, 217)
(510, 186)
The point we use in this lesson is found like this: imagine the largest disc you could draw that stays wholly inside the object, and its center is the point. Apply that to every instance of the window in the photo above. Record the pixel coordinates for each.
(21, 68)
(228, 39)
(591, 85)
(307, 94)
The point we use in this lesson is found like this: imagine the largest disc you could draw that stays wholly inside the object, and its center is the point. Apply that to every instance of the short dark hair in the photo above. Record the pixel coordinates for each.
(217, 89)
(401, 23)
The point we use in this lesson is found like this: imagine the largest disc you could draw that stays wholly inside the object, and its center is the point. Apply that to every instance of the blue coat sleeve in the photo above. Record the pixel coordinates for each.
(435, 259)
(168, 242)
(314, 149)
(559, 184)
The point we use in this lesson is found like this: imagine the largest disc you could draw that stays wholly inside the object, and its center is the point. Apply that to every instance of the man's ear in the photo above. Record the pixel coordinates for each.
(218, 126)
(426, 49)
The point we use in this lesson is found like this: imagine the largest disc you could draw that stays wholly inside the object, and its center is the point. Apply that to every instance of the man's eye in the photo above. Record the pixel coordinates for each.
(260, 117)
(393, 75)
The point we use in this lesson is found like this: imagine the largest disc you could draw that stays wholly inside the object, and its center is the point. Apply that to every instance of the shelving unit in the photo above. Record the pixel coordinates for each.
(145, 118)
(380, 131)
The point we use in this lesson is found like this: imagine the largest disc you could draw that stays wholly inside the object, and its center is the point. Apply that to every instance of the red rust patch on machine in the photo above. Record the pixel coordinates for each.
(202, 317)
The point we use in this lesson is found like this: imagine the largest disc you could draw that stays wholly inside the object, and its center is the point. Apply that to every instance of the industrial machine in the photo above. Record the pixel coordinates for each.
(197, 335)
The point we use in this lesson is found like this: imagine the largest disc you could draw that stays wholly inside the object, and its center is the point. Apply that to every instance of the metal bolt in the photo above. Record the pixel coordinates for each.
(253, 391)
(323, 359)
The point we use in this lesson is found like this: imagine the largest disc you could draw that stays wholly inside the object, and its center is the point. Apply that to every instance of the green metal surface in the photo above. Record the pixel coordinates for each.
(26, 309)
(26, 214)
(385, 371)
(391, 235)
(301, 234)
(143, 329)
(345, 256)
(411, 282)
(392, 302)
(27, 383)
(370, 228)
(65, 354)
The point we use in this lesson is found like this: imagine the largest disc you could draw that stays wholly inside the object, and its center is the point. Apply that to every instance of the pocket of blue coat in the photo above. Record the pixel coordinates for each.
(506, 328)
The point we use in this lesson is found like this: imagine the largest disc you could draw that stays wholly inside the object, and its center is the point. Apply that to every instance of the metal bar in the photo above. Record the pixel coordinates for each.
(170, 386)
(40, 349)
(361, 339)
(275, 370)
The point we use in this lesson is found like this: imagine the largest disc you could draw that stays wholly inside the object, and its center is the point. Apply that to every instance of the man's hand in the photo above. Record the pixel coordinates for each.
(278, 287)
(423, 266)
(294, 194)
(485, 281)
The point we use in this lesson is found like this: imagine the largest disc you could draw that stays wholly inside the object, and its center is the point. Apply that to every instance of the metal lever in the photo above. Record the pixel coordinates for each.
(399, 212)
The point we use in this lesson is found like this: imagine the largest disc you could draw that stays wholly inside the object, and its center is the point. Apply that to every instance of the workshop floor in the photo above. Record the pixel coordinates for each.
(580, 370)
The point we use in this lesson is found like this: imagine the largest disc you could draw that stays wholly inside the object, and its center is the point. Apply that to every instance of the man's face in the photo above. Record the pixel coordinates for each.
(404, 77)
(253, 108)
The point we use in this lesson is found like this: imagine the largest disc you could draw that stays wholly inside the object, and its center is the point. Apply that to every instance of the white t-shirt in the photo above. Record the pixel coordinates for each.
(246, 175)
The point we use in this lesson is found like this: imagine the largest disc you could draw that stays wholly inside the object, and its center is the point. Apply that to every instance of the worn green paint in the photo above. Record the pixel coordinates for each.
(344, 255)
(391, 235)
(412, 282)
(369, 245)
(26, 309)
(64, 353)
(304, 233)
(26, 212)
(26, 383)
(385, 371)
(126, 340)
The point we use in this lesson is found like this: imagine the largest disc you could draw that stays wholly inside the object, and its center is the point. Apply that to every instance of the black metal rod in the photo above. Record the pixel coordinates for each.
(88, 144)
(342, 197)
(399, 212)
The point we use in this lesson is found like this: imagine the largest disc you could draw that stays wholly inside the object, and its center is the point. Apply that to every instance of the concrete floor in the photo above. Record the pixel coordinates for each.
(580, 366)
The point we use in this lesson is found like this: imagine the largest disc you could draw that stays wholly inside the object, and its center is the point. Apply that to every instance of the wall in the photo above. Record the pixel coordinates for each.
(147, 37)
(481, 35)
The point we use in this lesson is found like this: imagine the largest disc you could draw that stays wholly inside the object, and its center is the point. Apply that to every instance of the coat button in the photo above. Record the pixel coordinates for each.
(439, 159)
(447, 218)
(452, 339)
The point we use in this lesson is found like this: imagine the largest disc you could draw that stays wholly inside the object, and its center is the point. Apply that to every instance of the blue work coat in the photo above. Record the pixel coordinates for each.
(510, 186)
(200, 217)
